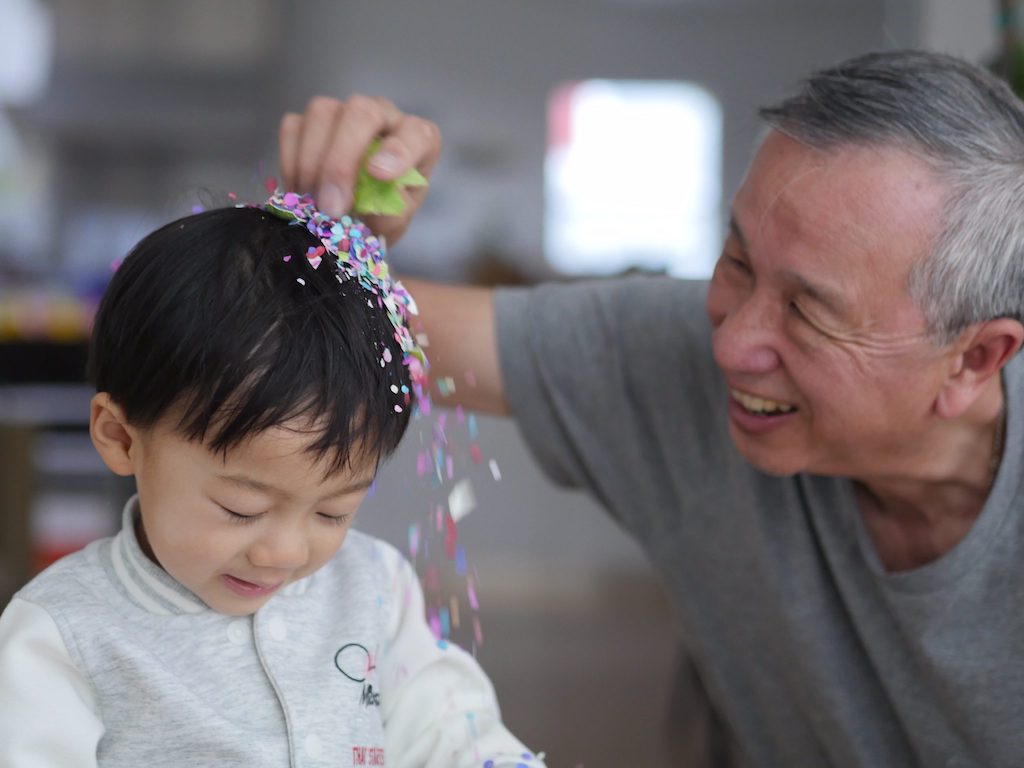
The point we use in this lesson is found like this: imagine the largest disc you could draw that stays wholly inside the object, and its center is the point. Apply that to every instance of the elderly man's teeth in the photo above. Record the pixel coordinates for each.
(760, 405)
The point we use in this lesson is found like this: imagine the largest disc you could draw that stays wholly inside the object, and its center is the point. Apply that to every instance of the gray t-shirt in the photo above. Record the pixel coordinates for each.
(808, 649)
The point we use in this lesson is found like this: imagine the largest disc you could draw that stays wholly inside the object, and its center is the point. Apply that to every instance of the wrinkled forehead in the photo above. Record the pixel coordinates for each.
(873, 201)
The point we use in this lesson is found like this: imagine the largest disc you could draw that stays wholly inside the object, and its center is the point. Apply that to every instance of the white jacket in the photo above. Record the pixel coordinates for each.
(105, 660)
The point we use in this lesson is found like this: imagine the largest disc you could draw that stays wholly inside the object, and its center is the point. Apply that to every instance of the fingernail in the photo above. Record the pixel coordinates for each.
(332, 200)
(386, 163)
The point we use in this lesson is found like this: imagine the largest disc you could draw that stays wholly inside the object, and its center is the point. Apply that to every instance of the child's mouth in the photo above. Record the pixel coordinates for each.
(248, 588)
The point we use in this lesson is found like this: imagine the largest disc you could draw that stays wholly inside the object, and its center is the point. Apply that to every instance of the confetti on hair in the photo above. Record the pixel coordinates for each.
(313, 256)
(359, 257)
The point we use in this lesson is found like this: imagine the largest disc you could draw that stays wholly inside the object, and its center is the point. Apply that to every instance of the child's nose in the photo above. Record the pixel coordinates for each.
(283, 549)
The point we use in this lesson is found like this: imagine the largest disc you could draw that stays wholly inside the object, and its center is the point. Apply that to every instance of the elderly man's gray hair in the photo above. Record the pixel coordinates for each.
(969, 126)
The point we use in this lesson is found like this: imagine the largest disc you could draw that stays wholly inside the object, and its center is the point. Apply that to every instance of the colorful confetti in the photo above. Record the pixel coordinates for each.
(359, 257)
(461, 500)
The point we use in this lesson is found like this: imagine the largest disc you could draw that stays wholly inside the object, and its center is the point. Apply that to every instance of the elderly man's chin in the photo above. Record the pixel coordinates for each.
(776, 458)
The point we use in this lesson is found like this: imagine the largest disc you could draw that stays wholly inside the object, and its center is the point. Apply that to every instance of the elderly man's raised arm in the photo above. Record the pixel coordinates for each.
(459, 324)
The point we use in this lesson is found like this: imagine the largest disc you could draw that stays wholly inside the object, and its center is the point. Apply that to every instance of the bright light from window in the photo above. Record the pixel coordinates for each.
(26, 49)
(632, 178)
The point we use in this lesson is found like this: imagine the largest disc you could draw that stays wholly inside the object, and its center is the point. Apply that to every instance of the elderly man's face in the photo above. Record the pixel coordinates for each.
(824, 352)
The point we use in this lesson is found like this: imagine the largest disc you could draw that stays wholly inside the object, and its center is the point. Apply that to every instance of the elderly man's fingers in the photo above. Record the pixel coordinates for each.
(414, 142)
(289, 134)
(319, 123)
(363, 118)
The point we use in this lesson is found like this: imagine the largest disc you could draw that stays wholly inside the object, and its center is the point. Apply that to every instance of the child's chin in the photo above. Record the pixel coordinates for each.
(233, 606)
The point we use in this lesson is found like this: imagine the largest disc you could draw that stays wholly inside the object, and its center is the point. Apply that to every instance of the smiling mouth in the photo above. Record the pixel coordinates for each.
(760, 406)
(248, 588)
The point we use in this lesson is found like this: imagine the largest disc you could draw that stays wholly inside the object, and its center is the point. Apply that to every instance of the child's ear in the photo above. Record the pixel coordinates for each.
(982, 351)
(111, 434)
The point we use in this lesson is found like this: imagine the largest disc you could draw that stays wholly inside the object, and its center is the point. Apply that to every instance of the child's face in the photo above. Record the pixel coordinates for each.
(294, 519)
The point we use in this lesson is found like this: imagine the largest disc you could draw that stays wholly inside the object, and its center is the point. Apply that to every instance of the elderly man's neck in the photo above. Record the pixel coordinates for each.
(917, 516)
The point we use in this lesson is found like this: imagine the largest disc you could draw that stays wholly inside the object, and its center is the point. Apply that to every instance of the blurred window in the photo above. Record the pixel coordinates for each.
(633, 178)
(26, 50)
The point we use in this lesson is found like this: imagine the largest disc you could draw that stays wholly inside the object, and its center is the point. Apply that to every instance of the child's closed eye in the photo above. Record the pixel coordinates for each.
(333, 519)
(238, 517)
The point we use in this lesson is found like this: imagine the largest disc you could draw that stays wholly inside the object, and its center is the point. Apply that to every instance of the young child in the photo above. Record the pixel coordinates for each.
(252, 367)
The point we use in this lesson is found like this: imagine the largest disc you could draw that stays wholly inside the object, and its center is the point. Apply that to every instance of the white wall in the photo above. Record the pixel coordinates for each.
(962, 28)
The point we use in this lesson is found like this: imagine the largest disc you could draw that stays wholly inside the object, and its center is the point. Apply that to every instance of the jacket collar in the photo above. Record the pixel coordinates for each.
(146, 583)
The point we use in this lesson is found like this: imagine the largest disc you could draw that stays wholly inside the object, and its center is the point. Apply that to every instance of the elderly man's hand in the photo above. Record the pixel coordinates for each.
(321, 151)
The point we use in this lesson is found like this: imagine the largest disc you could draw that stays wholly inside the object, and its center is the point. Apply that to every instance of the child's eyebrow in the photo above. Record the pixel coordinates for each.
(257, 485)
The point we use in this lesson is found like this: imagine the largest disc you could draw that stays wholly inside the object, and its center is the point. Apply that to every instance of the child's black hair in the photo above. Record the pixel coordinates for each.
(207, 320)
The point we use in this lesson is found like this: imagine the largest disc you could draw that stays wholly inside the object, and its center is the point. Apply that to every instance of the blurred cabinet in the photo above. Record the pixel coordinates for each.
(55, 493)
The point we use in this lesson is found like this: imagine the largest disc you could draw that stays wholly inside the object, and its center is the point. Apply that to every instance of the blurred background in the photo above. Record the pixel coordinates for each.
(118, 116)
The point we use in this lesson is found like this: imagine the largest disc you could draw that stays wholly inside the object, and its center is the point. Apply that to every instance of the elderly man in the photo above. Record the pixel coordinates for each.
(821, 448)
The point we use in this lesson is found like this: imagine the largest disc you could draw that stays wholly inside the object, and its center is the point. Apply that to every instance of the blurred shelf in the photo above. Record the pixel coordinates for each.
(45, 405)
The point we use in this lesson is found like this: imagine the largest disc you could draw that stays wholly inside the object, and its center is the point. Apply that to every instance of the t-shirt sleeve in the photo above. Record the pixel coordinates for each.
(48, 711)
(439, 708)
(614, 388)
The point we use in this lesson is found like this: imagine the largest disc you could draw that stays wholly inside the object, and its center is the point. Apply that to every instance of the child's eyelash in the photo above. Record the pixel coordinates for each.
(332, 520)
(235, 517)
(241, 519)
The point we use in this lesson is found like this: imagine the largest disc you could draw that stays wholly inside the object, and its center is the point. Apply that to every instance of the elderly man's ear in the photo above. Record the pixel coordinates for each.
(111, 434)
(980, 353)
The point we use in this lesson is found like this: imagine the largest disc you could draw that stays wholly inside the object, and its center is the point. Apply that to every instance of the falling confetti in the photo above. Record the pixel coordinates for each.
(461, 500)
(414, 540)
(495, 471)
